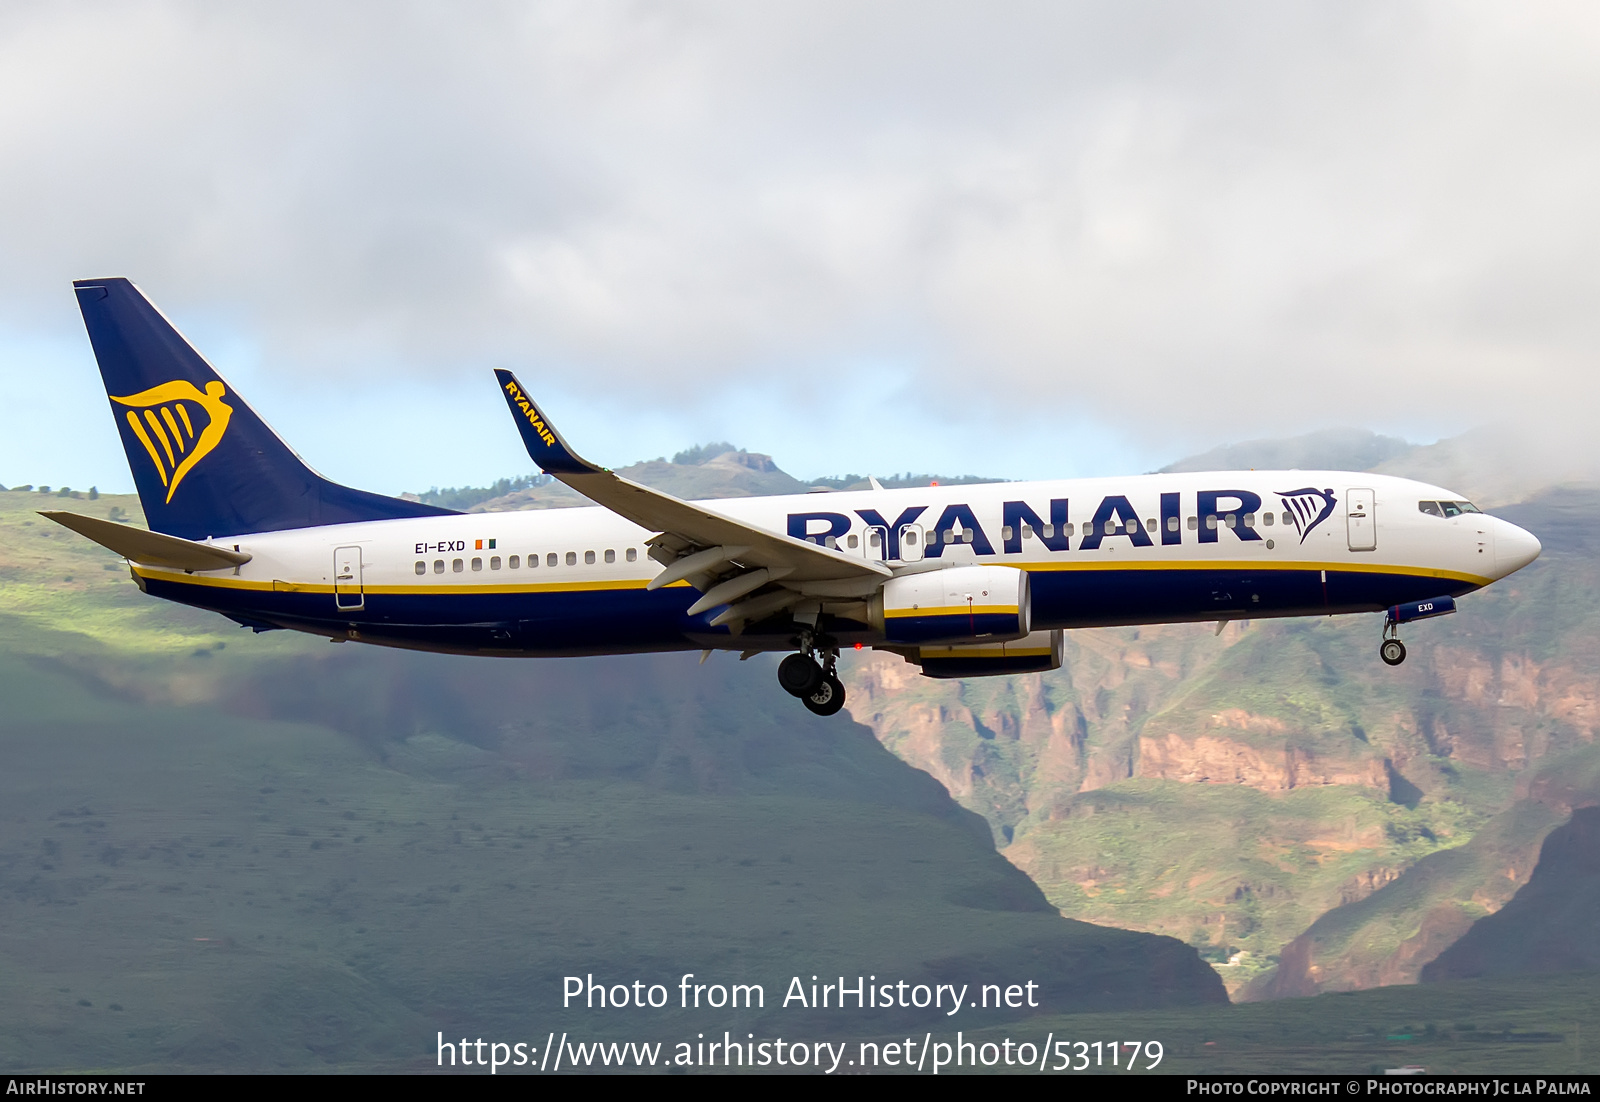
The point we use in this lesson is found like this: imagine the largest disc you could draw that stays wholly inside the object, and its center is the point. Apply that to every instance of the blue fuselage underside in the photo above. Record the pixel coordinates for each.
(613, 620)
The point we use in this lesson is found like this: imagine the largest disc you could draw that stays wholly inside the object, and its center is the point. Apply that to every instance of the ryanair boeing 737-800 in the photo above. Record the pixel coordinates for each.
(964, 581)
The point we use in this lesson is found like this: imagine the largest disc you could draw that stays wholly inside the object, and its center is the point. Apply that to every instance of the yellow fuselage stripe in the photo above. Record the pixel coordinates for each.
(953, 610)
(458, 588)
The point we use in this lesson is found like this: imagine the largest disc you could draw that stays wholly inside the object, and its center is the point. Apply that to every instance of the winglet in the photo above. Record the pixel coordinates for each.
(543, 442)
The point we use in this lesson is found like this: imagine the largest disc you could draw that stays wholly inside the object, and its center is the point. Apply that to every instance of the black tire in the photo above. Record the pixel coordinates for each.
(799, 675)
(1392, 651)
(828, 698)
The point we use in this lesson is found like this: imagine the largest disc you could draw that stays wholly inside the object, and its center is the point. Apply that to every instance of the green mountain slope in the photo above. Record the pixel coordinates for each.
(227, 850)
(1553, 922)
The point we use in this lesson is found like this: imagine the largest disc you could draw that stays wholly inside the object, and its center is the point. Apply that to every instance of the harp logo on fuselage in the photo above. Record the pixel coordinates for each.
(1308, 507)
(178, 425)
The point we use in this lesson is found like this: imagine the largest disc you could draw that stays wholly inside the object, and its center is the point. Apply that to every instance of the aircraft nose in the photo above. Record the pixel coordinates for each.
(1514, 547)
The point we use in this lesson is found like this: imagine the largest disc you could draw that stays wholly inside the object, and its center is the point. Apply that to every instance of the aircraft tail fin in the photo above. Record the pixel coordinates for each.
(204, 463)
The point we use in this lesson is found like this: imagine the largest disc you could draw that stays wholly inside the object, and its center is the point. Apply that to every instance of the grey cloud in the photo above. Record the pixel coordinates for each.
(1197, 219)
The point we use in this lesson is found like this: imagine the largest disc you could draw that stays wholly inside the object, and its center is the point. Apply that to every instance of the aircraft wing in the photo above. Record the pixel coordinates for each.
(151, 548)
(695, 543)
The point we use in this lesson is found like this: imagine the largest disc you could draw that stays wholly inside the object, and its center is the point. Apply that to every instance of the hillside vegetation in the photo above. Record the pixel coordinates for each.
(226, 850)
(1307, 819)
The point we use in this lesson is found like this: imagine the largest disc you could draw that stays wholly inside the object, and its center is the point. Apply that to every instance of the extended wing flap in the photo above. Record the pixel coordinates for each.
(150, 548)
(661, 512)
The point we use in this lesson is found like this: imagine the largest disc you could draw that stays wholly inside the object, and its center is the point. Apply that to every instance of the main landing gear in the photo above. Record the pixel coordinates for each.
(1391, 650)
(813, 681)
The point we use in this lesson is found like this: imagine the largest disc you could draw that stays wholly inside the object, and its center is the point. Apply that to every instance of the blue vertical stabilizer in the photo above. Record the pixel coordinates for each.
(204, 463)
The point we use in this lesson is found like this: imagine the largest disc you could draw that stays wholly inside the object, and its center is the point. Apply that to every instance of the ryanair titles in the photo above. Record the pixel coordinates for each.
(915, 533)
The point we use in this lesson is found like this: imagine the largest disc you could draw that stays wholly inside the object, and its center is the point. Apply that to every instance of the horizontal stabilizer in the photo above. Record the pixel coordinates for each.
(150, 548)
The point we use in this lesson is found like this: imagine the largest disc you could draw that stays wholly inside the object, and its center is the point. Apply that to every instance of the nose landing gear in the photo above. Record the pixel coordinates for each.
(1391, 650)
(814, 682)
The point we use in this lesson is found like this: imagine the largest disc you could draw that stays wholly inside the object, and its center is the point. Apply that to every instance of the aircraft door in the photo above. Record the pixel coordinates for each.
(911, 537)
(347, 592)
(874, 543)
(1361, 519)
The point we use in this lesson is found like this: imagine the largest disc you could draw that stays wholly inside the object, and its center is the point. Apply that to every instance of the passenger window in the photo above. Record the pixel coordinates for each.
(588, 558)
(1068, 529)
(1172, 524)
(611, 555)
(966, 537)
(457, 565)
(1431, 508)
(1130, 526)
(1266, 518)
(633, 554)
(1149, 525)
(853, 541)
(949, 537)
(910, 537)
(1049, 531)
(874, 539)
(551, 559)
(831, 542)
(477, 564)
(1232, 520)
(1111, 527)
(515, 561)
(1288, 517)
(422, 568)
(438, 566)
(1005, 533)
(1249, 520)
(1211, 522)
(494, 563)
(1027, 532)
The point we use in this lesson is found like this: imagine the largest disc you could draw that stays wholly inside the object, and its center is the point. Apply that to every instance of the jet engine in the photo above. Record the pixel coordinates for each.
(988, 604)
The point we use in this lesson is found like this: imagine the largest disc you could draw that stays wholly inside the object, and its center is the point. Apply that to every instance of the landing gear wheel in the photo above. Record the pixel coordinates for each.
(799, 675)
(828, 698)
(1392, 651)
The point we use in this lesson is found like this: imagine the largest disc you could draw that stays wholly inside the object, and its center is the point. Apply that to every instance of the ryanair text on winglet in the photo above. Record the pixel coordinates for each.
(525, 404)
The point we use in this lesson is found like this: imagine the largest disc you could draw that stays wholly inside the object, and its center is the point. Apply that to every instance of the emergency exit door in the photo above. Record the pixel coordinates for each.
(347, 592)
(875, 543)
(911, 537)
(1361, 520)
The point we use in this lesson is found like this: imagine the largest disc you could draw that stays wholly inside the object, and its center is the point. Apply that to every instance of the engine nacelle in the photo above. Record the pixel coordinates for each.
(987, 604)
(1035, 652)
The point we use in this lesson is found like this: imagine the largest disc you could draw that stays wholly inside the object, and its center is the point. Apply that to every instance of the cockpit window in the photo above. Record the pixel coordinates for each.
(1447, 508)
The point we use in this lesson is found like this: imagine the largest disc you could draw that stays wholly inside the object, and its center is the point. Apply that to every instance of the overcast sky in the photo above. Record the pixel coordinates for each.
(1027, 240)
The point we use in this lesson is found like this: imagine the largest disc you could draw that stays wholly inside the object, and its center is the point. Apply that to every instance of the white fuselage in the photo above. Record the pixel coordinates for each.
(1142, 549)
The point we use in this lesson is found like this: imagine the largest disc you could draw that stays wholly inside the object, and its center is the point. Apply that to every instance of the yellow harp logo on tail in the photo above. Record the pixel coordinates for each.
(163, 418)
